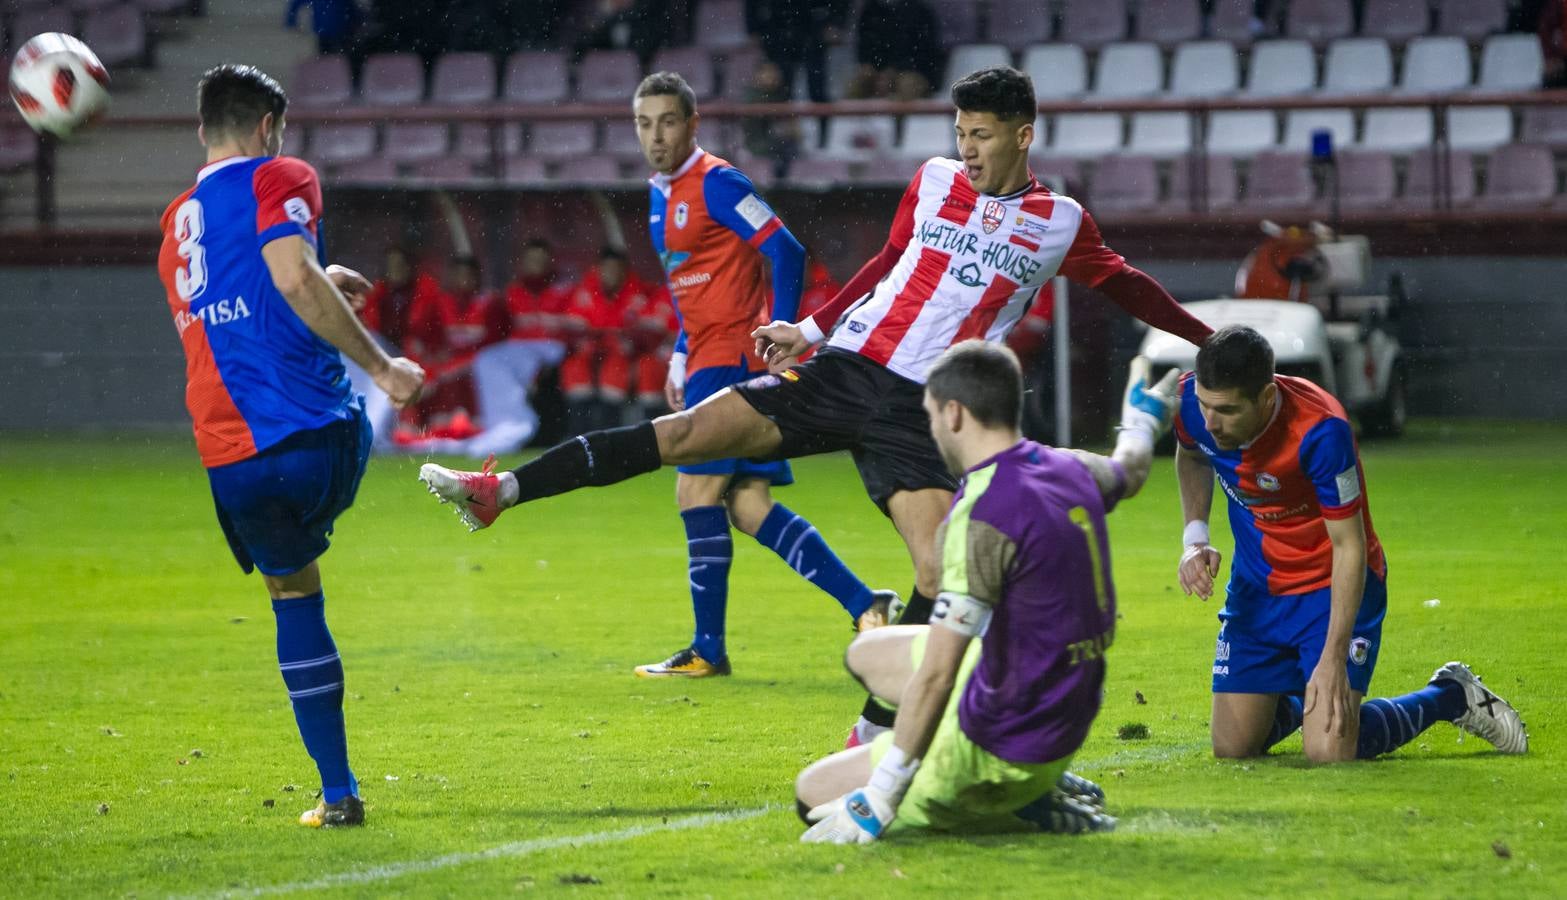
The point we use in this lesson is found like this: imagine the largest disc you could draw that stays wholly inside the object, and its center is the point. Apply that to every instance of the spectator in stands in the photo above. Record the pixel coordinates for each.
(640, 26)
(1553, 42)
(596, 376)
(447, 330)
(795, 33)
(899, 54)
(335, 22)
(768, 137)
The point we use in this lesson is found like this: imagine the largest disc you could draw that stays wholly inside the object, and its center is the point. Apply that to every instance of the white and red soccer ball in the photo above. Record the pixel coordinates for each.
(58, 84)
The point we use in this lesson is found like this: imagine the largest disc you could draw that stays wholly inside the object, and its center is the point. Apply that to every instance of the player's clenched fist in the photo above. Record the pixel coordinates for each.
(1199, 565)
(778, 342)
(401, 380)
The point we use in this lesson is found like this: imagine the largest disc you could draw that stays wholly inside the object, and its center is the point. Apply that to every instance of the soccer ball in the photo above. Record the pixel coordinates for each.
(58, 84)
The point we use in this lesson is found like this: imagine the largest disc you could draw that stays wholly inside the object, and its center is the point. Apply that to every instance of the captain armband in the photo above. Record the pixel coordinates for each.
(961, 613)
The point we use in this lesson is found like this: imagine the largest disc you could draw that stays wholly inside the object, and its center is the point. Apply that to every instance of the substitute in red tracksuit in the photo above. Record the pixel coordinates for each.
(448, 328)
(609, 338)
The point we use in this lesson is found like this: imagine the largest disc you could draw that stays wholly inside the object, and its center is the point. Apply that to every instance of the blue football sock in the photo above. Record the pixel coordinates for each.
(1388, 723)
(314, 677)
(802, 547)
(711, 552)
(1286, 720)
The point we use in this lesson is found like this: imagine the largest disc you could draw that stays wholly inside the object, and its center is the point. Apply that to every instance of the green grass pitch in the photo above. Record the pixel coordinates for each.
(147, 747)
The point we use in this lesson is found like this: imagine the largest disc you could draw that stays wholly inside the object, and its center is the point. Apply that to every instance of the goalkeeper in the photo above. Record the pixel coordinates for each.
(986, 729)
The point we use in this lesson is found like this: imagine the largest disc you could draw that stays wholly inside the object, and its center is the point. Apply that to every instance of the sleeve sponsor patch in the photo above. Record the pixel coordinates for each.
(297, 210)
(1348, 486)
(755, 212)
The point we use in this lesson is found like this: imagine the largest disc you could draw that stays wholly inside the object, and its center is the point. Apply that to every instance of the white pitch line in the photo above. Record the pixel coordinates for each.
(388, 871)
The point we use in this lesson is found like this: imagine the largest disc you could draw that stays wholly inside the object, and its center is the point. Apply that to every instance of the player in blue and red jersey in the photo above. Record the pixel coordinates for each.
(1302, 622)
(281, 434)
(712, 232)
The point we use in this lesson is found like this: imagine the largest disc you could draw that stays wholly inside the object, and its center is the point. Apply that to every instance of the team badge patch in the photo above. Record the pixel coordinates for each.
(1267, 482)
(297, 210)
(682, 214)
(990, 219)
(1359, 651)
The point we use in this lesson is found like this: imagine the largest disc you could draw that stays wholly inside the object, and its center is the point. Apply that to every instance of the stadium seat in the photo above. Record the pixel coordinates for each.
(1204, 69)
(118, 35)
(1300, 124)
(524, 170)
(1420, 182)
(1085, 135)
(1510, 62)
(1242, 132)
(1281, 67)
(957, 21)
(722, 24)
(1396, 21)
(1545, 125)
(1055, 168)
(1319, 21)
(407, 142)
(1366, 180)
(32, 22)
(841, 69)
(392, 79)
(18, 147)
(561, 140)
(592, 170)
(1018, 23)
(1222, 187)
(1470, 19)
(450, 170)
(608, 76)
(1059, 71)
(692, 62)
(1168, 22)
(1519, 176)
(322, 82)
(967, 58)
(860, 137)
(1124, 185)
(1398, 129)
(341, 143)
(928, 135)
(1436, 65)
(1093, 23)
(475, 142)
(1279, 181)
(620, 140)
(379, 171)
(1479, 128)
(463, 79)
(536, 77)
(1128, 70)
(1358, 66)
(820, 174)
(739, 66)
(1230, 20)
(1160, 134)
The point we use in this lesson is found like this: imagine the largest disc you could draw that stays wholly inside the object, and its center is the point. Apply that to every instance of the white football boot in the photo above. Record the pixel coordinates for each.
(1489, 716)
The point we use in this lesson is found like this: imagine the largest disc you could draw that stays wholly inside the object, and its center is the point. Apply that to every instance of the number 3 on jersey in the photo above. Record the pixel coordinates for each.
(190, 280)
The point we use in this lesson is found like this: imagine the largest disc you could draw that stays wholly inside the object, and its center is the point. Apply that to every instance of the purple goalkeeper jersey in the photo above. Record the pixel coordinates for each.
(1026, 535)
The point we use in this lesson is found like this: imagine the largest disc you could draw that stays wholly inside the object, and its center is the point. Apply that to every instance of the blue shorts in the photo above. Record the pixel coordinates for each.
(704, 383)
(277, 507)
(1270, 644)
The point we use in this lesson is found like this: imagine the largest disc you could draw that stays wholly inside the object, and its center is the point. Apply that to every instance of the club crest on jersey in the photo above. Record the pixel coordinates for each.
(1359, 651)
(682, 214)
(990, 219)
(1267, 482)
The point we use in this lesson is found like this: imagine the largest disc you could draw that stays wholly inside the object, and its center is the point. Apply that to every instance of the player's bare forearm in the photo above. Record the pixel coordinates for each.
(1349, 582)
(1135, 462)
(319, 304)
(1194, 478)
(928, 690)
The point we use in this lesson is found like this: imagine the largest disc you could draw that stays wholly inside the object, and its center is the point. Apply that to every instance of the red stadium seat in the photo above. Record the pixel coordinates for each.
(1018, 23)
(1222, 189)
(1279, 181)
(322, 82)
(1519, 176)
(524, 170)
(1471, 19)
(1396, 21)
(1545, 125)
(1419, 194)
(475, 142)
(608, 76)
(366, 172)
(536, 77)
(721, 24)
(1168, 22)
(957, 21)
(1365, 179)
(1124, 185)
(407, 142)
(1231, 21)
(695, 64)
(331, 144)
(18, 147)
(118, 35)
(392, 79)
(1094, 23)
(463, 79)
(561, 140)
(1319, 21)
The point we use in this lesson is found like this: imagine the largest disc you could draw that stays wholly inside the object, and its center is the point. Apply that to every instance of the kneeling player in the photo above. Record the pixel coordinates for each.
(985, 730)
(1302, 622)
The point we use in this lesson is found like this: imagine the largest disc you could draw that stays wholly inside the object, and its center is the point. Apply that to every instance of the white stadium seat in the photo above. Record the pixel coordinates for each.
(1281, 67)
(1081, 135)
(1204, 69)
(859, 137)
(1242, 132)
(1398, 130)
(1479, 128)
(1299, 124)
(1059, 71)
(968, 58)
(1160, 134)
(1436, 65)
(1129, 70)
(1511, 62)
(925, 136)
(1358, 66)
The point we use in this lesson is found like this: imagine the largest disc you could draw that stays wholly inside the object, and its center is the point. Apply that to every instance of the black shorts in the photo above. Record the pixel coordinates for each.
(843, 401)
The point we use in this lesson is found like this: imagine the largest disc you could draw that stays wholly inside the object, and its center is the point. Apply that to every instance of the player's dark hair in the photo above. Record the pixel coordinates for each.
(669, 84)
(232, 99)
(1235, 357)
(985, 378)
(1002, 91)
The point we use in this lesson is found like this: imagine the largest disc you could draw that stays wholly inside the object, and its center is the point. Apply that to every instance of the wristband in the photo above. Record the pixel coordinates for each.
(893, 774)
(811, 330)
(677, 369)
(1196, 533)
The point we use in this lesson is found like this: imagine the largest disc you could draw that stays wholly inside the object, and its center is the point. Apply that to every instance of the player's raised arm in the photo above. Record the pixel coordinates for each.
(1089, 262)
(1146, 413)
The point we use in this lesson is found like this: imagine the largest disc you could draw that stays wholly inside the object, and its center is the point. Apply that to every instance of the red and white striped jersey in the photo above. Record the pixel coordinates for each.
(971, 265)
